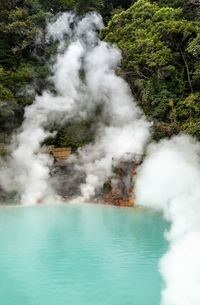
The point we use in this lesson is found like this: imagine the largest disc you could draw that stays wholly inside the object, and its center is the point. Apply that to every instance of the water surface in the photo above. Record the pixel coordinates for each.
(80, 255)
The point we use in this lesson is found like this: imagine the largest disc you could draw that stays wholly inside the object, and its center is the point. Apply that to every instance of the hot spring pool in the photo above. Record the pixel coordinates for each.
(80, 255)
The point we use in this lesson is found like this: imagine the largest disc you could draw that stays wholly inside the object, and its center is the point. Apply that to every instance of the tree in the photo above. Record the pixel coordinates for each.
(191, 8)
(21, 21)
(160, 58)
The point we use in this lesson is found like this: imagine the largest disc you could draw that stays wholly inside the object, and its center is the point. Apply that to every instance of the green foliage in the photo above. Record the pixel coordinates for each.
(107, 187)
(83, 6)
(5, 94)
(74, 134)
(161, 60)
(191, 9)
(21, 22)
(160, 43)
(56, 6)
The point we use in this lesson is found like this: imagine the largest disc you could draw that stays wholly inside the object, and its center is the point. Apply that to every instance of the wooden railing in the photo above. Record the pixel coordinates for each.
(59, 153)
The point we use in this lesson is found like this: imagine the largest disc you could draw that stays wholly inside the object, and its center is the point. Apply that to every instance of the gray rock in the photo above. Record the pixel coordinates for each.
(66, 179)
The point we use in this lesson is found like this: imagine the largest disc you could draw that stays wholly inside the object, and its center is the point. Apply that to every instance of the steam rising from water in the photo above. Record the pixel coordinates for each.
(169, 177)
(122, 128)
(169, 180)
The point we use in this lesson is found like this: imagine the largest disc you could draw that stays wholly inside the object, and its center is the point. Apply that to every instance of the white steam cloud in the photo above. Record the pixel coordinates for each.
(169, 177)
(169, 180)
(122, 129)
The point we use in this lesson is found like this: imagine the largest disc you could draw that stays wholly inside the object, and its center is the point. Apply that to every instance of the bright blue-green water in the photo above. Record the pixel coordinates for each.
(80, 255)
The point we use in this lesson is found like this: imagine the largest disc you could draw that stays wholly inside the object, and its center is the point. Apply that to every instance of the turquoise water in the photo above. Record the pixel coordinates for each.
(80, 255)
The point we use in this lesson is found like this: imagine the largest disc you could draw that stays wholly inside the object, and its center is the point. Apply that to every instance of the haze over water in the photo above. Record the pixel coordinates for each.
(80, 254)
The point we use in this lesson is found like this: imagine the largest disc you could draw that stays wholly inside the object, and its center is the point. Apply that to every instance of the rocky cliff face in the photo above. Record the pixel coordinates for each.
(119, 190)
(66, 179)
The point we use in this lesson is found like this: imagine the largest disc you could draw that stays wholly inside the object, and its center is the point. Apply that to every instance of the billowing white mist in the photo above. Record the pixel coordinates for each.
(122, 128)
(169, 180)
(169, 177)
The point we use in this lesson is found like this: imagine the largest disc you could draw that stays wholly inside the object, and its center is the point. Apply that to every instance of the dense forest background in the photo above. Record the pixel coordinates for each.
(160, 43)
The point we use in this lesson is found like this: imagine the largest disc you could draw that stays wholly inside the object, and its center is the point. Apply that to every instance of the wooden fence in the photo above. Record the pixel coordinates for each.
(59, 153)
